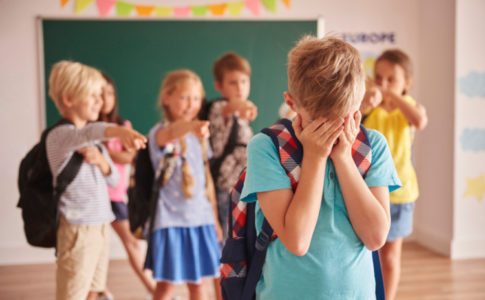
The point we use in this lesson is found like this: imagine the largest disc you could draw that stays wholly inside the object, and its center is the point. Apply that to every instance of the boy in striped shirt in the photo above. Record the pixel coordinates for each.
(84, 208)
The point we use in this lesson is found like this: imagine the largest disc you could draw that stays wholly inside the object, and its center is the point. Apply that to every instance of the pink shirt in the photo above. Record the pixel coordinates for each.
(117, 193)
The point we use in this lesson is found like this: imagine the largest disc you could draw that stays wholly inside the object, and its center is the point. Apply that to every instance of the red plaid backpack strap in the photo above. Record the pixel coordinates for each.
(362, 151)
(289, 148)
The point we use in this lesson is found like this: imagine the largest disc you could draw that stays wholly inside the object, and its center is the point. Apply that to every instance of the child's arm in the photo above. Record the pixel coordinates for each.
(368, 209)
(122, 157)
(93, 156)
(130, 138)
(414, 113)
(372, 98)
(179, 129)
(294, 216)
(243, 109)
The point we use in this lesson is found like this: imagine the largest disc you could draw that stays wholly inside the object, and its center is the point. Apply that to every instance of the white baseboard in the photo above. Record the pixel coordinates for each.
(434, 242)
(468, 248)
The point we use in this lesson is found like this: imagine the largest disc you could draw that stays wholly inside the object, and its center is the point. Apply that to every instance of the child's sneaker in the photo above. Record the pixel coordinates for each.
(105, 296)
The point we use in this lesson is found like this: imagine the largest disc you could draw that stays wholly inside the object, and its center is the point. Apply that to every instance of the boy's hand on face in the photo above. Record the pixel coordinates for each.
(200, 128)
(343, 147)
(130, 138)
(319, 136)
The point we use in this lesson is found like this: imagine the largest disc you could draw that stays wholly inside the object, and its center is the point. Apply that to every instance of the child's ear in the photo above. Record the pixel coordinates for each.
(218, 86)
(67, 101)
(164, 99)
(289, 100)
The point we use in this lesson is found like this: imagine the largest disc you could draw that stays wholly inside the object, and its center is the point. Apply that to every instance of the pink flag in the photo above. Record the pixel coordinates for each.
(253, 6)
(181, 11)
(104, 6)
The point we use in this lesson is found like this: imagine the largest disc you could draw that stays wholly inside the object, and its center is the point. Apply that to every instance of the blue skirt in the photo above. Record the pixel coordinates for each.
(184, 254)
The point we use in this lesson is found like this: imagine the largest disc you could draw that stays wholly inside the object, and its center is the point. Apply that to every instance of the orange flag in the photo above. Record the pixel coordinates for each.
(64, 2)
(144, 10)
(218, 9)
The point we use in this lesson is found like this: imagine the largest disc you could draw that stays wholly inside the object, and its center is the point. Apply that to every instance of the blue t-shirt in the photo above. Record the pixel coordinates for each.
(337, 264)
(174, 209)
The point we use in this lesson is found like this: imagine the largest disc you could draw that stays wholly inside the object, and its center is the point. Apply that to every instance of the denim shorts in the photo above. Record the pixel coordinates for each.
(120, 210)
(401, 221)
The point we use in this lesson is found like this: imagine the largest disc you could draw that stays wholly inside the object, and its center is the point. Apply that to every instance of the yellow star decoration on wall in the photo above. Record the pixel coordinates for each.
(475, 187)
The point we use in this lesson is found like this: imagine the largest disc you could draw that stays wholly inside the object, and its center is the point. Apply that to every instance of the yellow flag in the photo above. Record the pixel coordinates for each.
(81, 5)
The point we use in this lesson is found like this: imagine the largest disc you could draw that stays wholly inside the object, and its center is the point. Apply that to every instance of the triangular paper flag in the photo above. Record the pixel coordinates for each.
(235, 8)
(81, 5)
(123, 9)
(270, 5)
(163, 11)
(218, 9)
(181, 11)
(144, 10)
(104, 6)
(253, 6)
(199, 10)
(64, 2)
(287, 3)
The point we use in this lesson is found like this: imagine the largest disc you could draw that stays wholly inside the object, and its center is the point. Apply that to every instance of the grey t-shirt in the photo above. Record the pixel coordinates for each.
(86, 200)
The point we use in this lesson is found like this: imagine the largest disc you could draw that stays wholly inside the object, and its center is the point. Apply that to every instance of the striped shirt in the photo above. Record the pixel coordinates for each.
(85, 200)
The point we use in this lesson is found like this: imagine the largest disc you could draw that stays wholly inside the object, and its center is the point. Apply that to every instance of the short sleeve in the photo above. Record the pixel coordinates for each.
(264, 171)
(156, 152)
(382, 171)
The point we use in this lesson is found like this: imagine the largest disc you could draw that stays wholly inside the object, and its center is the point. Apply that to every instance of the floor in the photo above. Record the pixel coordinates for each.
(425, 275)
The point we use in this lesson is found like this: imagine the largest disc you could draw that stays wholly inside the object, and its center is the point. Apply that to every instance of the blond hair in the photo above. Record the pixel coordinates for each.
(325, 76)
(169, 85)
(74, 80)
(230, 61)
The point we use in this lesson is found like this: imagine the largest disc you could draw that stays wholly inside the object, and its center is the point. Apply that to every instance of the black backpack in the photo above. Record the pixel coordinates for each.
(216, 162)
(143, 193)
(38, 198)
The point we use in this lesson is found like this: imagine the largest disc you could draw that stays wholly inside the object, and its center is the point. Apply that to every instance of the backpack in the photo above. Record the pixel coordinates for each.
(215, 163)
(244, 253)
(144, 190)
(38, 198)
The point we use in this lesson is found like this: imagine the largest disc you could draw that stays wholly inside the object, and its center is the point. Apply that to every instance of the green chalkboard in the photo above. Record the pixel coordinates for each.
(137, 54)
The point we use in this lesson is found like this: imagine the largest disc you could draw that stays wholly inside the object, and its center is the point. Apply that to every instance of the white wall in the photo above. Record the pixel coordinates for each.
(469, 211)
(434, 145)
(424, 29)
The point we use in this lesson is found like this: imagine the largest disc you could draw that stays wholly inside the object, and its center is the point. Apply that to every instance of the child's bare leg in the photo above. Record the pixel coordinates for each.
(163, 291)
(390, 255)
(217, 288)
(135, 255)
(197, 291)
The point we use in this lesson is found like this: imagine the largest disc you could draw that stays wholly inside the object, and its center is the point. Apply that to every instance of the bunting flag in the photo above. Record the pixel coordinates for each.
(235, 8)
(199, 10)
(144, 10)
(163, 11)
(253, 6)
(104, 6)
(125, 9)
(270, 5)
(63, 3)
(218, 9)
(81, 5)
(181, 11)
